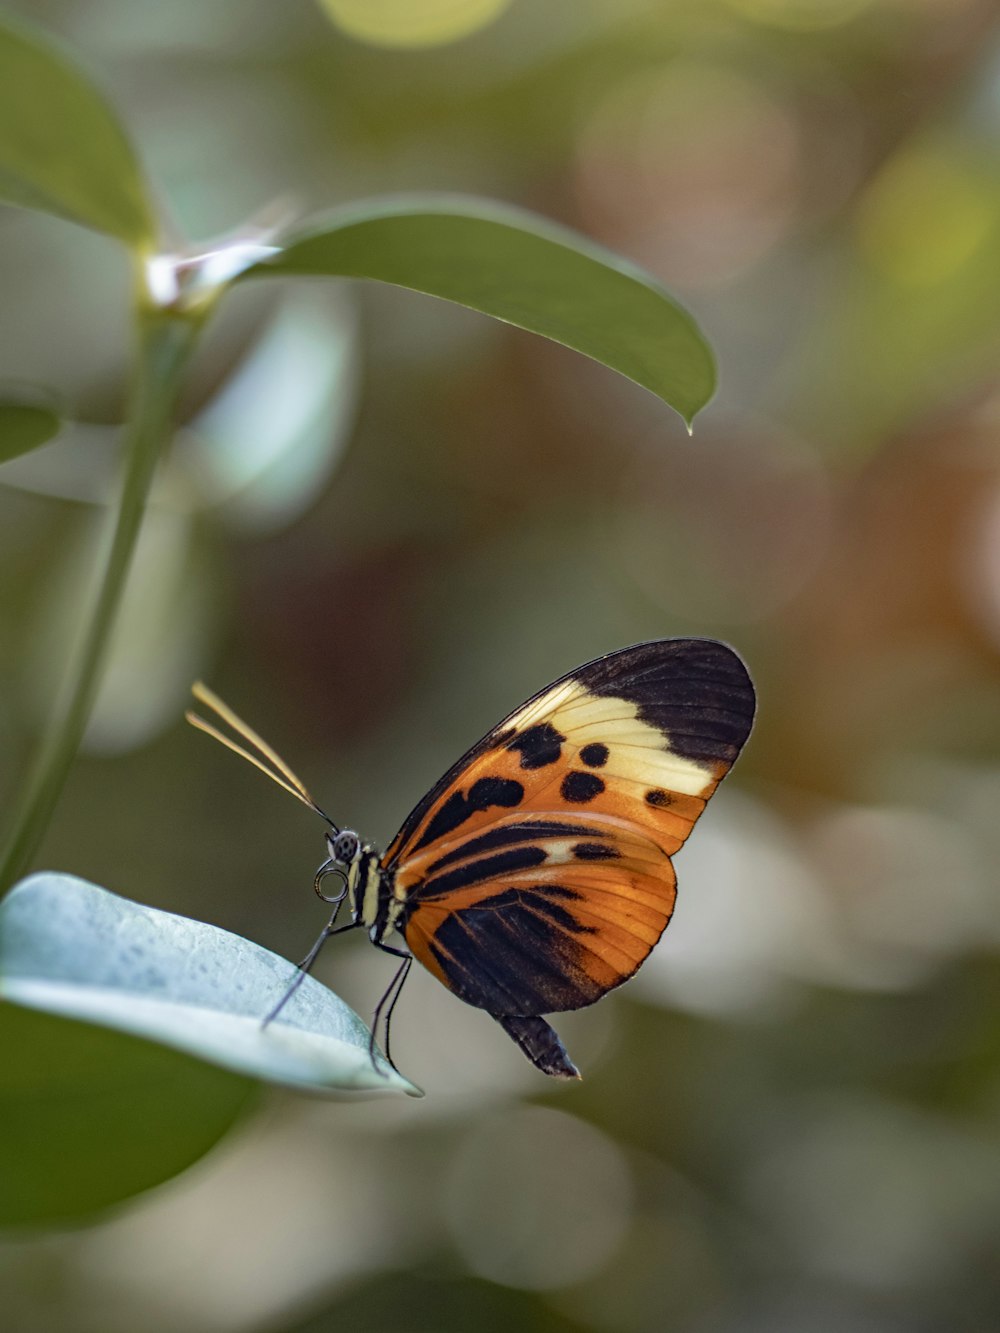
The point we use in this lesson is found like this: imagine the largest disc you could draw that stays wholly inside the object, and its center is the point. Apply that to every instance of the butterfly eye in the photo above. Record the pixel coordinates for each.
(345, 847)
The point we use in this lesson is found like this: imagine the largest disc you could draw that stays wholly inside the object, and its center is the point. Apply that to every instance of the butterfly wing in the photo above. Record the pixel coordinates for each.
(549, 922)
(536, 875)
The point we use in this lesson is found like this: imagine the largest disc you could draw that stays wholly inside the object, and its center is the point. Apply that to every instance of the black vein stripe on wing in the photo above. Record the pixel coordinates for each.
(522, 960)
(604, 916)
(516, 952)
(508, 835)
(525, 857)
(544, 943)
(509, 848)
(510, 957)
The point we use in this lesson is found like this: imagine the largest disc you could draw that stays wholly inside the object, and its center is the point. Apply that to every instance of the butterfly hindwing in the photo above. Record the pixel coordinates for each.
(536, 874)
(549, 922)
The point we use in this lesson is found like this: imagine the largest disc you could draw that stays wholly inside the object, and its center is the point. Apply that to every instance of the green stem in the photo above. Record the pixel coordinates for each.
(165, 340)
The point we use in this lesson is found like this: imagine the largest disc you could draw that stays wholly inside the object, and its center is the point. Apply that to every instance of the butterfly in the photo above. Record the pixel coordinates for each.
(535, 876)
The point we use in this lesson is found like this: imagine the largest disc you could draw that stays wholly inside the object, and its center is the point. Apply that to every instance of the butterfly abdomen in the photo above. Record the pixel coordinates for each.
(540, 1043)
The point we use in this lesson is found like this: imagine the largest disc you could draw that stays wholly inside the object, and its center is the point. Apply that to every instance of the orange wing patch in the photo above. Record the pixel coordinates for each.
(555, 914)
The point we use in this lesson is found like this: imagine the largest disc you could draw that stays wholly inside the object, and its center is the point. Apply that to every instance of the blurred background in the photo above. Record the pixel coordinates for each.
(388, 520)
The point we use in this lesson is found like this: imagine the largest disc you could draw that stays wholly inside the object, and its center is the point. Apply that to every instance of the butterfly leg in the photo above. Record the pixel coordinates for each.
(392, 994)
(306, 965)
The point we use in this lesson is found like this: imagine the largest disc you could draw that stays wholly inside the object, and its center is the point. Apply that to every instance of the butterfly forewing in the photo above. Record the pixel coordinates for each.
(536, 874)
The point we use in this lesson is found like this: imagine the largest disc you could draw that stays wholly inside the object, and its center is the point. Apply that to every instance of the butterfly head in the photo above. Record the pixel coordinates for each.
(344, 846)
(367, 883)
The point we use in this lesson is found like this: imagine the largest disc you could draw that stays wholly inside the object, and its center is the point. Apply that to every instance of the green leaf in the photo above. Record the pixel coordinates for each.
(61, 148)
(522, 269)
(25, 426)
(71, 948)
(164, 1053)
(90, 1117)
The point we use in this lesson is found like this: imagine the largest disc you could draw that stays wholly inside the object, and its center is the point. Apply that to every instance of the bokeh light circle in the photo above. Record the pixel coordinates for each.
(925, 214)
(694, 167)
(559, 1198)
(729, 532)
(403, 23)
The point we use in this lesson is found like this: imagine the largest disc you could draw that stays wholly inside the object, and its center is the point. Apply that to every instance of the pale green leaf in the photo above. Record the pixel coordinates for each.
(70, 948)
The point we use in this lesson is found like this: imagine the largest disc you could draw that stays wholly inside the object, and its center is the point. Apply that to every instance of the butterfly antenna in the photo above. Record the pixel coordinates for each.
(266, 759)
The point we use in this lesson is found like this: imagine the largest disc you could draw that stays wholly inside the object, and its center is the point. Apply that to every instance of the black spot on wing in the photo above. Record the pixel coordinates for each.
(495, 791)
(539, 746)
(659, 798)
(594, 755)
(458, 807)
(579, 788)
(696, 691)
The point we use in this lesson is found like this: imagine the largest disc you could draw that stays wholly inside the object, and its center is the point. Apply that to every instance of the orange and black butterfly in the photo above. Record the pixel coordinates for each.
(535, 876)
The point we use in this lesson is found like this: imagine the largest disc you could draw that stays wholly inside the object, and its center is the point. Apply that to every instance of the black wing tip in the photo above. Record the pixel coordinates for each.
(698, 655)
(540, 1043)
(698, 691)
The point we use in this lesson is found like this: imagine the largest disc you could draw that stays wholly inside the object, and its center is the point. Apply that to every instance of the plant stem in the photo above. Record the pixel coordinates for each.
(164, 343)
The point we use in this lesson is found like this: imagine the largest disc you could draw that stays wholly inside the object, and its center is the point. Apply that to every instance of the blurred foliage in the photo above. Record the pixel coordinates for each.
(792, 1111)
(99, 182)
(72, 949)
(71, 1090)
(63, 152)
(25, 426)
